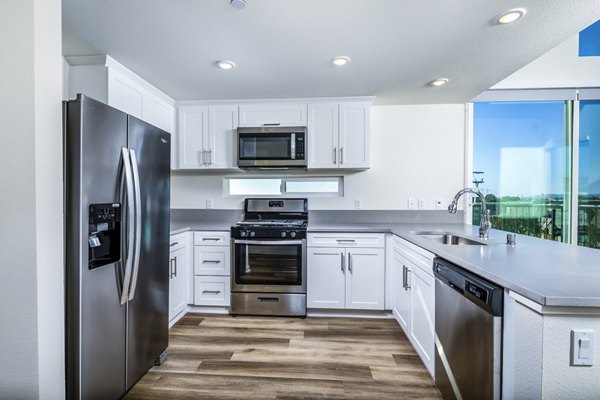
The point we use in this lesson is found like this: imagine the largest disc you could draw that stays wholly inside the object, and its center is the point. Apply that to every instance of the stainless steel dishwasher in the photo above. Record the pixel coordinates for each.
(468, 334)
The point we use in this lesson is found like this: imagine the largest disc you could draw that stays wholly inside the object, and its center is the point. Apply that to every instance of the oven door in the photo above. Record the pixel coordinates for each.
(275, 266)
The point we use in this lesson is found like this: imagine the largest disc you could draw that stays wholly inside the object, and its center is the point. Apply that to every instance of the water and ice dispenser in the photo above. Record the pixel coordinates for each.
(104, 234)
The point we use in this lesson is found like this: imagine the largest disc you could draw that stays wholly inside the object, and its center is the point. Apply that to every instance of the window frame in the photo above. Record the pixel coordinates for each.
(283, 186)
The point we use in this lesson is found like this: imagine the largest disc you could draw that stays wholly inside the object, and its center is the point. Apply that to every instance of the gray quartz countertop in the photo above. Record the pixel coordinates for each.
(180, 227)
(547, 272)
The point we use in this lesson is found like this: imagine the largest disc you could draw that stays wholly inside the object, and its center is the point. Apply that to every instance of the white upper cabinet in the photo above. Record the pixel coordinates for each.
(207, 136)
(104, 79)
(323, 122)
(273, 114)
(354, 139)
(222, 126)
(339, 135)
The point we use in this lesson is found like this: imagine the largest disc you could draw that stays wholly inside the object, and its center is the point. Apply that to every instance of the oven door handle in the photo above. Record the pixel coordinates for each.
(269, 242)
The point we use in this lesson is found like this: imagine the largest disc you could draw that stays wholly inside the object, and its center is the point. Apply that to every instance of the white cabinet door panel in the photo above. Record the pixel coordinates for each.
(365, 279)
(402, 295)
(423, 312)
(326, 278)
(124, 94)
(222, 126)
(354, 135)
(323, 148)
(279, 114)
(178, 281)
(193, 127)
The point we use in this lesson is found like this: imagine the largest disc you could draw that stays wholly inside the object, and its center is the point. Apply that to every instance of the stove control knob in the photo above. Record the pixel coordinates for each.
(243, 233)
(293, 234)
(283, 234)
(252, 234)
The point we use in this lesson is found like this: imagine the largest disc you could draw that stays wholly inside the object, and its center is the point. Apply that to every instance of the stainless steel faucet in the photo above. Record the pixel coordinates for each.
(484, 223)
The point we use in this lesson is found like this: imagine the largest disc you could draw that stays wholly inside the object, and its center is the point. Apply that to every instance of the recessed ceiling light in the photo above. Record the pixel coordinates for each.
(511, 15)
(225, 64)
(340, 60)
(439, 82)
(239, 4)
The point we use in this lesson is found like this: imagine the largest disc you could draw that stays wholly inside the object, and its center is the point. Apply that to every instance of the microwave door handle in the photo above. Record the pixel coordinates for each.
(293, 146)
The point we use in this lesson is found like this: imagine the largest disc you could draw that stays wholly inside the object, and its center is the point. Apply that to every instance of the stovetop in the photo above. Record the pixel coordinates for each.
(285, 223)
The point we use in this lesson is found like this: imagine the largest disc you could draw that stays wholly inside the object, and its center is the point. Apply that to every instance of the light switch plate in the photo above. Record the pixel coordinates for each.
(357, 204)
(411, 204)
(420, 204)
(582, 347)
(209, 203)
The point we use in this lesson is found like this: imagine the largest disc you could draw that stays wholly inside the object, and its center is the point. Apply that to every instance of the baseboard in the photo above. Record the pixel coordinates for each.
(321, 312)
(207, 310)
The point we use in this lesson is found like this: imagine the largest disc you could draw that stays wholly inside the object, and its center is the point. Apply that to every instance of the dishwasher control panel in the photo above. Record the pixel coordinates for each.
(477, 291)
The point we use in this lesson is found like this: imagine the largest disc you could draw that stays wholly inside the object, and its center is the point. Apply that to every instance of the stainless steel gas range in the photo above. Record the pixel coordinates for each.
(269, 258)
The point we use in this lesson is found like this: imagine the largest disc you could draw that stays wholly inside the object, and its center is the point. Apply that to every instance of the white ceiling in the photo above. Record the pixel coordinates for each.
(283, 48)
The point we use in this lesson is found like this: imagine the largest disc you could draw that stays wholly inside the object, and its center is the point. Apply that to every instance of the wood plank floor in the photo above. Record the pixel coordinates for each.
(221, 357)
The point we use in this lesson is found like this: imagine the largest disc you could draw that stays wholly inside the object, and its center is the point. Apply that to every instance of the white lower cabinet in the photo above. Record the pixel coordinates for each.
(212, 290)
(345, 277)
(414, 298)
(212, 269)
(179, 274)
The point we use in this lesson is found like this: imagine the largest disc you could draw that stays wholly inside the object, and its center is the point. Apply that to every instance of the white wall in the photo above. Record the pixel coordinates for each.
(31, 233)
(561, 67)
(416, 151)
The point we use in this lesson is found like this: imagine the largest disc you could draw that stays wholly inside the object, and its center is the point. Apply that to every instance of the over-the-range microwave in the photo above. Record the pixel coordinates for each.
(270, 147)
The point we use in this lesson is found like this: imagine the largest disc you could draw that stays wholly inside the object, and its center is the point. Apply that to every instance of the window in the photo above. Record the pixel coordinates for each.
(521, 162)
(589, 41)
(286, 186)
(538, 163)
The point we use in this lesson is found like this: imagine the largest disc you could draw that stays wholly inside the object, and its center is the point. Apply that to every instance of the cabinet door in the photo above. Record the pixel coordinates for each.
(422, 329)
(124, 95)
(402, 292)
(157, 112)
(279, 114)
(178, 283)
(192, 130)
(222, 125)
(354, 135)
(323, 128)
(365, 279)
(212, 260)
(326, 278)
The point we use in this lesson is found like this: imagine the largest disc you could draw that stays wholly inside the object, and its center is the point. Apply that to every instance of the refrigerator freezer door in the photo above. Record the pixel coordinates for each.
(96, 321)
(149, 290)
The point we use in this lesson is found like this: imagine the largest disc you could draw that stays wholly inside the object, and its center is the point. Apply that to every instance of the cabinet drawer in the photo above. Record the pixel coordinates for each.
(349, 240)
(212, 290)
(211, 260)
(178, 241)
(211, 238)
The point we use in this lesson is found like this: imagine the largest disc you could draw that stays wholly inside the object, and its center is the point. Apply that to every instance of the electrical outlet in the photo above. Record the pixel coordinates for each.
(411, 204)
(357, 204)
(209, 203)
(439, 204)
(421, 204)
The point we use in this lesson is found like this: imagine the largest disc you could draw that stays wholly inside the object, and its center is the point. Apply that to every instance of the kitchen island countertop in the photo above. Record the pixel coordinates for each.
(546, 272)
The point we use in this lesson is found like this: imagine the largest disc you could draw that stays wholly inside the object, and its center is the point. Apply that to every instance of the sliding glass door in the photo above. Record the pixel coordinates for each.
(588, 215)
(522, 164)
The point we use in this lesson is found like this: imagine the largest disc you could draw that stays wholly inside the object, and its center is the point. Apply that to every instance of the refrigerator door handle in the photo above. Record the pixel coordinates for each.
(130, 223)
(138, 223)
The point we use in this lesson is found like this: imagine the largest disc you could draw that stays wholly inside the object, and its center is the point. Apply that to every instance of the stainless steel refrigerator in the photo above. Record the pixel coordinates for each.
(117, 190)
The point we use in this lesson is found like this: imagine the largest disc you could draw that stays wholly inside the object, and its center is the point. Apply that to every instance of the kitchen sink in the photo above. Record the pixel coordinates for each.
(452, 239)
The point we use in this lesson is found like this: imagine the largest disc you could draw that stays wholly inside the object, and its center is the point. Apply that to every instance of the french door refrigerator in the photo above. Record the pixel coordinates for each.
(117, 190)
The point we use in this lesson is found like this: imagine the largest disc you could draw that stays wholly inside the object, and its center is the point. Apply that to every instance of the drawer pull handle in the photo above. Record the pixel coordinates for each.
(174, 244)
(211, 291)
(345, 240)
(211, 261)
(268, 299)
(210, 239)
